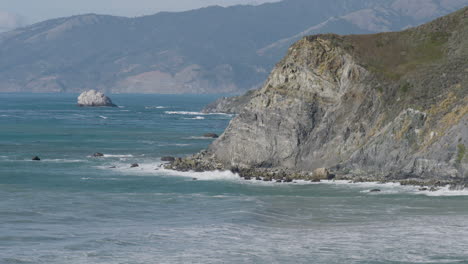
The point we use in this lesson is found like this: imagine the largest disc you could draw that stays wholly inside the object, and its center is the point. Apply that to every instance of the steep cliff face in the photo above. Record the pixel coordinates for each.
(386, 106)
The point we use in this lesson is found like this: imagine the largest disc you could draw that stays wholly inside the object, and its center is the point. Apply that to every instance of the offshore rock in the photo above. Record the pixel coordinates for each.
(94, 98)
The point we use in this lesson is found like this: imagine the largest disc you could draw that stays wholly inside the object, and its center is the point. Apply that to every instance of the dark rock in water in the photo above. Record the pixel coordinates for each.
(279, 181)
(433, 189)
(168, 159)
(112, 167)
(210, 135)
(288, 180)
(316, 180)
(423, 189)
(36, 158)
(134, 165)
(97, 154)
(194, 179)
(375, 190)
(247, 178)
(258, 178)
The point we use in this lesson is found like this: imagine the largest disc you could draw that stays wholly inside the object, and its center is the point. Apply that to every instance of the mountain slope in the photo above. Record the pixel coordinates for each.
(212, 49)
(388, 106)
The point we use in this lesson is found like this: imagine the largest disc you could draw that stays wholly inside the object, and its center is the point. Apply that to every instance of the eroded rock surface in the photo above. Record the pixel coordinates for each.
(94, 98)
(383, 107)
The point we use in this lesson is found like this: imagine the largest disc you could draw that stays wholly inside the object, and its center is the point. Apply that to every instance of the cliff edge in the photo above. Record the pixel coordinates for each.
(387, 107)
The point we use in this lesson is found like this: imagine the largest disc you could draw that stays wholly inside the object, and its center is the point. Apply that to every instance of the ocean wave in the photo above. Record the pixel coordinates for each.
(103, 117)
(196, 118)
(118, 156)
(155, 107)
(198, 137)
(193, 113)
(63, 160)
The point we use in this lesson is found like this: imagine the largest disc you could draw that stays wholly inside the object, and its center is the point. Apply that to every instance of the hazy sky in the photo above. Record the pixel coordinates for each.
(38, 10)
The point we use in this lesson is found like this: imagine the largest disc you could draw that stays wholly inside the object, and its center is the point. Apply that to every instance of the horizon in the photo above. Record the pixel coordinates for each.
(25, 12)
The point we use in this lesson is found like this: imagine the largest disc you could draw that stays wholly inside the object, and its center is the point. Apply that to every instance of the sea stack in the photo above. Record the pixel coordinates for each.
(94, 98)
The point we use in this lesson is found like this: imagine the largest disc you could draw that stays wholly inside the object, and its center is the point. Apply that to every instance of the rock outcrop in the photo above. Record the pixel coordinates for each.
(229, 105)
(94, 98)
(382, 107)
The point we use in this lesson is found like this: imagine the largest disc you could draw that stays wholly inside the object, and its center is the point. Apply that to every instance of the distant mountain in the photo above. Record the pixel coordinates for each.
(209, 50)
(9, 21)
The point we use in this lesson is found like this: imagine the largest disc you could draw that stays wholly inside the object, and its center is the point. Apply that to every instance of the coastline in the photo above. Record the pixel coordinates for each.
(205, 162)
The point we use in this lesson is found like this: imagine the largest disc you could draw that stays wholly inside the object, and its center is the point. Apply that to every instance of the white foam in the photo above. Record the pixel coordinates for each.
(193, 113)
(445, 191)
(118, 156)
(199, 138)
(63, 160)
(196, 118)
(155, 107)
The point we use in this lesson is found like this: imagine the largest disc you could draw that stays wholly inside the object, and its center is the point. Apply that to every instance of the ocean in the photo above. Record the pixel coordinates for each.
(71, 207)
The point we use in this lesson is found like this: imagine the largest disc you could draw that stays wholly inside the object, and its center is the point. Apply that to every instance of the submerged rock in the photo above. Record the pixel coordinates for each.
(36, 158)
(210, 135)
(94, 98)
(375, 190)
(134, 165)
(168, 159)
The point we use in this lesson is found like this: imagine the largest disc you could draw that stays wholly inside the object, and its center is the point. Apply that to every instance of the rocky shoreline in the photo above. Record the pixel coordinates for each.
(204, 161)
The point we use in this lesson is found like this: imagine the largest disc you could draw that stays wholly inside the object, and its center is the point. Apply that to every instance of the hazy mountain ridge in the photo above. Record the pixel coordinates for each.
(210, 50)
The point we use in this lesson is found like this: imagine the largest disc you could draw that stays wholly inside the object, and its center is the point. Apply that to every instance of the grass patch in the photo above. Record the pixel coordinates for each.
(461, 151)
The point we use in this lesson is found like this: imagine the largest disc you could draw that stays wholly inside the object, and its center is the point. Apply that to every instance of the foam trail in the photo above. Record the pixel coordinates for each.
(196, 118)
(193, 113)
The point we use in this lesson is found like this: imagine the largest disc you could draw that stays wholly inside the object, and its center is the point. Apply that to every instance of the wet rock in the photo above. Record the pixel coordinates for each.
(423, 189)
(97, 155)
(375, 190)
(168, 159)
(321, 174)
(194, 179)
(210, 135)
(112, 167)
(134, 165)
(36, 158)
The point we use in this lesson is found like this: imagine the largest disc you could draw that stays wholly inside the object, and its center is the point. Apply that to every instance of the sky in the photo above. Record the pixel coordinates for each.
(31, 11)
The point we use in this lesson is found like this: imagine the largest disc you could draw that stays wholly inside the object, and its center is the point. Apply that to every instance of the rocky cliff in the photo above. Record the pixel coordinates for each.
(389, 106)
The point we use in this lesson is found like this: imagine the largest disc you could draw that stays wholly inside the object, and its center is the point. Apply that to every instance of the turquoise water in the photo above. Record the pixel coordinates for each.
(73, 208)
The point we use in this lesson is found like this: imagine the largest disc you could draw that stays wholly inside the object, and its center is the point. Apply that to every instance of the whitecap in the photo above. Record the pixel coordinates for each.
(103, 117)
(64, 160)
(199, 138)
(196, 118)
(118, 155)
(155, 107)
(445, 191)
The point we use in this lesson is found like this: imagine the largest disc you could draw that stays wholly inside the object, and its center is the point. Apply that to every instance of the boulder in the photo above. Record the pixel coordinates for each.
(168, 159)
(321, 174)
(97, 154)
(134, 165)
(210, 135)
(94, 98)
(375, 190)
(36, 158)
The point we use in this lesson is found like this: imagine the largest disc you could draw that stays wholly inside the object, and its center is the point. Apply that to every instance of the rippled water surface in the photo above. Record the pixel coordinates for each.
(73, 208)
